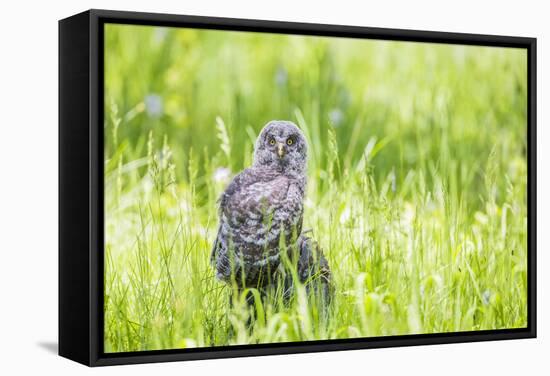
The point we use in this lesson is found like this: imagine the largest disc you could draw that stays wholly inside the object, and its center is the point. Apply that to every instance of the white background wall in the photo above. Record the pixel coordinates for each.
(28, 185)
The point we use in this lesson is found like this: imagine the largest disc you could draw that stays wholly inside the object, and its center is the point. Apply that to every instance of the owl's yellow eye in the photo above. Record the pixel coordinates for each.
(289, 141)
(272, 141)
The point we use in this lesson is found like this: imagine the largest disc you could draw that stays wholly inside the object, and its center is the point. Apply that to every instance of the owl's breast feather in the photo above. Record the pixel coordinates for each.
(257, 213)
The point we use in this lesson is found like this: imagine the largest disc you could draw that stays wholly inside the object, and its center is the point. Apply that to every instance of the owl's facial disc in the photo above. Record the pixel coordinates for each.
(282, 145)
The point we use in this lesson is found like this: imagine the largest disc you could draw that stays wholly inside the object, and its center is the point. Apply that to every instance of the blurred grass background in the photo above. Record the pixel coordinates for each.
(416, 192)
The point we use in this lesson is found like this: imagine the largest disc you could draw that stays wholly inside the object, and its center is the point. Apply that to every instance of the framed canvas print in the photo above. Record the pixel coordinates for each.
(233, 187)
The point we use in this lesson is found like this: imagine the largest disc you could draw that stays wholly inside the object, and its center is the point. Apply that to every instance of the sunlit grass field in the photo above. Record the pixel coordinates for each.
(416, 183)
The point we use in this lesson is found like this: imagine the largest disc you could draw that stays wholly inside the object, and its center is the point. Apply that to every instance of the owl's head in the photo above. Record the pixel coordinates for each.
(282, 145)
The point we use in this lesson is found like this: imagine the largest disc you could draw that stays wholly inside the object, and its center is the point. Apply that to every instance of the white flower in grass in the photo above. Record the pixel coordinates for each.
(185, 207)
(147, 185)
(221, 175)
(336, 117)
(160, 34)
(153, 105)
(486, 297)
(281, 76)
(407, 217)
(187, 343)
(345, 216)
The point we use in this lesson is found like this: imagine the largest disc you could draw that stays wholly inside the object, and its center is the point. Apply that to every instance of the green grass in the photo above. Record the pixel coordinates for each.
(416, 190)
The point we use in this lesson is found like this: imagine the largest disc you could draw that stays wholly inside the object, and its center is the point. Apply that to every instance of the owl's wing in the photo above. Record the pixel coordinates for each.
(218, 256)
(312, 270)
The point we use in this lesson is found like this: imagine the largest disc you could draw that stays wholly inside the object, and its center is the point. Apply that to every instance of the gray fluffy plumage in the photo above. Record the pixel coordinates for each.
(261, 215)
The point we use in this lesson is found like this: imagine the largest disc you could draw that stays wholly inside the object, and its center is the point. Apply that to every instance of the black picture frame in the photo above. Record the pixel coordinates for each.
(81, 186)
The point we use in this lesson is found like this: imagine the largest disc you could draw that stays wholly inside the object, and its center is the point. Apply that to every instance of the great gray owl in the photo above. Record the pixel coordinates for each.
(261, 214)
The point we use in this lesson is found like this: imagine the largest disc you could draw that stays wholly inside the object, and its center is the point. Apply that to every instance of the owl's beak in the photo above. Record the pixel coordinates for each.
(280, 149)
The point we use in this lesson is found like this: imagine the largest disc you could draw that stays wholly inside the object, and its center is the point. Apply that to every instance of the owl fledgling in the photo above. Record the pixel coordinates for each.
(261, 214)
